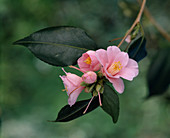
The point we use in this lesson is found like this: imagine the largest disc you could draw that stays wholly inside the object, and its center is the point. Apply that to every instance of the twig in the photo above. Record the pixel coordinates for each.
(115, 39)
(135, 22)
(159, 28)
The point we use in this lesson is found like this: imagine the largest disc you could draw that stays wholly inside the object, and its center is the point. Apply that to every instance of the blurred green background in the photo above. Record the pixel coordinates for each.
(31, 90)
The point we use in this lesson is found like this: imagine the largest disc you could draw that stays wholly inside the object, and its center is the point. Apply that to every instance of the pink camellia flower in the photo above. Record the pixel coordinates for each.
(116, 64)
(72, 86)
(89, 77)
(89, 62)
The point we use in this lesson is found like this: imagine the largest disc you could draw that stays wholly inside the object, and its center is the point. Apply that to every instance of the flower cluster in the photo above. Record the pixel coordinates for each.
(97, 67)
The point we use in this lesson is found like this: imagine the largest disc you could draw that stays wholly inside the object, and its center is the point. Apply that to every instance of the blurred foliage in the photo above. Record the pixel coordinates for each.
(31, 90)
(159, 73)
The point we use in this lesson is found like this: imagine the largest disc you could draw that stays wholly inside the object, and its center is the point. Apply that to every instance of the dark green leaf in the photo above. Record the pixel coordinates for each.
(137, 49)
(59, 46)
(68, 113)
(110, 103)
(158, 77)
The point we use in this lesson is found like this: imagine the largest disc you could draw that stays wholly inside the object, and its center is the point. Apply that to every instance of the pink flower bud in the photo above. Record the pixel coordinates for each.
(89, 77)
(72, 86)
(128, 39)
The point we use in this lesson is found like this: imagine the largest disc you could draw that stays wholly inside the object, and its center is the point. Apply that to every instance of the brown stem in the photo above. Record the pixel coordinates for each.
(159, 28)
(135, 22)
(115, 39)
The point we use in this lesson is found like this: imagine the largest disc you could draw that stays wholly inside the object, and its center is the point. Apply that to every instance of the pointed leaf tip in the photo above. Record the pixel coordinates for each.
(58, 46)
(18, 42)
(68, 113)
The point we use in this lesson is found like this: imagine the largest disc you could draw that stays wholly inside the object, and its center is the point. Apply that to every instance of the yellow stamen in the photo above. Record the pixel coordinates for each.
(88, 61)
(115, 68)
(65, 89)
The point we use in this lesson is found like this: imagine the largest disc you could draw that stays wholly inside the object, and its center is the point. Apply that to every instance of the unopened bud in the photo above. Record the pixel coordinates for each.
(102, 89)
(89, 89)
(128, 39)
(89, 77)
(98, 87)
(95, 93)
(99, 74)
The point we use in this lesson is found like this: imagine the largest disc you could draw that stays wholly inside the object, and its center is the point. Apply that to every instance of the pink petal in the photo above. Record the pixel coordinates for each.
(67, 84)
(123, 58)
(81, 60)
(74, 79)
(89, 77)
(129, 73)
(101, 55)
(96, 67)
(132, 63)
(93, 58)
(112, 52)
(73, 96)
(94, 63)
(65, 81)
(91, 52)
(86, 69)
(117, 84)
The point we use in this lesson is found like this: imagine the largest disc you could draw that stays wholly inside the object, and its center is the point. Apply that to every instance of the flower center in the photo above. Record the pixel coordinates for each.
(88, 60)
(115, 68)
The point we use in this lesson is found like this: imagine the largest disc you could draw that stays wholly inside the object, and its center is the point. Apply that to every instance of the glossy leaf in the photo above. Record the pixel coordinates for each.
(158, 77)
(68, 113)
(110, 103)
(137, 50)
(59, 46)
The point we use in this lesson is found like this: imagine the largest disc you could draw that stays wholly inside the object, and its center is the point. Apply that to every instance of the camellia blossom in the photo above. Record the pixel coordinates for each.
(116, 64)
(89, 77)
(89, 62)
(72, 86)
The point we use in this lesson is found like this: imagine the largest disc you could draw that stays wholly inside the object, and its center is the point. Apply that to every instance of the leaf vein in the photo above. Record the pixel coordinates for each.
(72, 113)
(48, 43)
